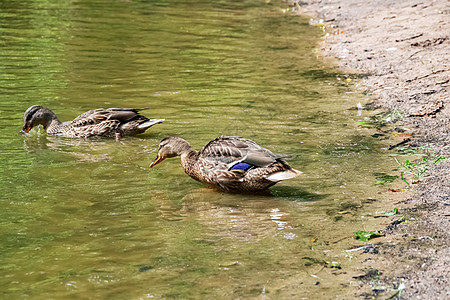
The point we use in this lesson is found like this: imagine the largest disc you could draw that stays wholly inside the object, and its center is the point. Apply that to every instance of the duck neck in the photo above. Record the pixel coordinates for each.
(188, 159)
(51, 124)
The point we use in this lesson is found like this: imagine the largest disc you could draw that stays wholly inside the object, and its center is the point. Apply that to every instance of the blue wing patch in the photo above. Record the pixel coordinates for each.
(241, 166)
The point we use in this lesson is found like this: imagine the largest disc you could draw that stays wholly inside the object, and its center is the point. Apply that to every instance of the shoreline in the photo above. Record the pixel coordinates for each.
(401, 49)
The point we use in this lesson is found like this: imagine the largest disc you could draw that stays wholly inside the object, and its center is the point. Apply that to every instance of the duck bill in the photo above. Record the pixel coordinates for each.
(25, 130)
(157, 161)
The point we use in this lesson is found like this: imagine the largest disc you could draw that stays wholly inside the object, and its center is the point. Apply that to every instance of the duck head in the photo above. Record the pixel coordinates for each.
(36, 115)
(171, 147)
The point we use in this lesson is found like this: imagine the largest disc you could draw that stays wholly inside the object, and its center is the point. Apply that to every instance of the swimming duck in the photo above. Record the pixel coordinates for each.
(109, 122)
(230, 163)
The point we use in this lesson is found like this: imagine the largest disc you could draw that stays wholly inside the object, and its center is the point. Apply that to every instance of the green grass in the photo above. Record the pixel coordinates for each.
(367, 235)
(418, 170)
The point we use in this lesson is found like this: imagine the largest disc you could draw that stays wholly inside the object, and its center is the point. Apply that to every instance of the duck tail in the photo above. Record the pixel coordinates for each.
(278, 176)
(150, 123)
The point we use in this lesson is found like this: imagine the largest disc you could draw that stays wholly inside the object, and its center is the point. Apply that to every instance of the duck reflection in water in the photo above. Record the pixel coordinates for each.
(227, 216)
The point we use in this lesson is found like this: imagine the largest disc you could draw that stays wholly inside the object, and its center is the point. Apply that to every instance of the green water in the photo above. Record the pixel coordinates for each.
(89, 219)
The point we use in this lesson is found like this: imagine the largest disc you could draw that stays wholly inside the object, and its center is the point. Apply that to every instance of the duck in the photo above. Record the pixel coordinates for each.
(101, 122)
(228, 163)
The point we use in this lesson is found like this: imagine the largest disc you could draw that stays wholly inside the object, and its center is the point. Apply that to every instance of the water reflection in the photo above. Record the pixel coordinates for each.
(92, 150)
(230, 216)
(90, 219)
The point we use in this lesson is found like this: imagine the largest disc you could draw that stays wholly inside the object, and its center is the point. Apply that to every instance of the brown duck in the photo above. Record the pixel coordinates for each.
(109, 122)
(230, 163)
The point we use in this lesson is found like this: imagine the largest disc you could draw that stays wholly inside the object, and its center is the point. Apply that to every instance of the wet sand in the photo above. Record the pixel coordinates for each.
(401, 48)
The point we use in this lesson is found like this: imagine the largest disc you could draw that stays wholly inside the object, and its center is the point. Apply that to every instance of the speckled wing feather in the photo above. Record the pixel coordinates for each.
(96, 116)
(102, 122)
(231, 149)
(230, 180)
(104, 128)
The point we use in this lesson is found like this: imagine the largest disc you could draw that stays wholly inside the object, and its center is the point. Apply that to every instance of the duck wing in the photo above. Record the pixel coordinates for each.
(114, 115)
(232, 149)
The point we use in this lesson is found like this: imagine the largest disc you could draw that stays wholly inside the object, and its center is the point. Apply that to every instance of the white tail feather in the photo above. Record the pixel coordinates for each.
(284, 175)
(150, 123)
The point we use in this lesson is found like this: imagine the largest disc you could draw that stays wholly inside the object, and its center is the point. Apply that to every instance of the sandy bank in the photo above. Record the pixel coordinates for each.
(403, 47)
